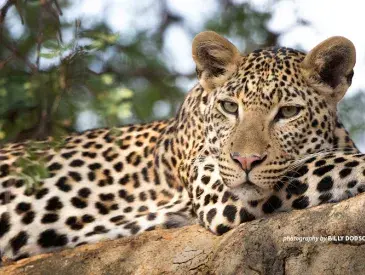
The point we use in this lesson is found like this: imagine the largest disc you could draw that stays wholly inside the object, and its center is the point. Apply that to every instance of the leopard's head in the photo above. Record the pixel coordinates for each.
(270, 107)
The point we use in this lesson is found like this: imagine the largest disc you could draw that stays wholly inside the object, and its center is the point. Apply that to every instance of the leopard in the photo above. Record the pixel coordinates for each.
(258, 134)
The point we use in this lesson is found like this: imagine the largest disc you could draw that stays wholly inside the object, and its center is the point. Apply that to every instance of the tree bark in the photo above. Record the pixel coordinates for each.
(257, 247)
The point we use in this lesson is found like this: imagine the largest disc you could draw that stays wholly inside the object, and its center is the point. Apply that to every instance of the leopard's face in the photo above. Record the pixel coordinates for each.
(268, 110)
(267, 113)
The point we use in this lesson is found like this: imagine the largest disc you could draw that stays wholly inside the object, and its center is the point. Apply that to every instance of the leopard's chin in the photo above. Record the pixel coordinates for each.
(249, 191)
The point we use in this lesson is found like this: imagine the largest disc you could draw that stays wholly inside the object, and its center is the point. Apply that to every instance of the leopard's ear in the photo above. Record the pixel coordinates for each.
(216, 59)
(329, 66)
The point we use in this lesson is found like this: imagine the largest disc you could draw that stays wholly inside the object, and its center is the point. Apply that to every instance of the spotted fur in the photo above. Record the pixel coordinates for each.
(110, 183)
(323, 178)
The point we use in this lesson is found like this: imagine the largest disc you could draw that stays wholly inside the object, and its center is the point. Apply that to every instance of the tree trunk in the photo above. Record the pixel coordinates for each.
(258, 247)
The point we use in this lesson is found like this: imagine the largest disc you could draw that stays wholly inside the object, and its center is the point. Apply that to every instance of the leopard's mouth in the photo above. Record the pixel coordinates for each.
(249, 184)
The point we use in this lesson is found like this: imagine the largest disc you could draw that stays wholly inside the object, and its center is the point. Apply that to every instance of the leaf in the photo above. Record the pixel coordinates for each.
(49, 55)
(51, 44)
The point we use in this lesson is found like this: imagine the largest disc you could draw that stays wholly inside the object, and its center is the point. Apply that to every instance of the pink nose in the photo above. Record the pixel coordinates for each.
(247, 163)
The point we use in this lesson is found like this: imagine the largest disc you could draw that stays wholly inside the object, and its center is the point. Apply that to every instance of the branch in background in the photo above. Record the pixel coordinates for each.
(58, 7)
(4, 62)
(48, 6)
(41, 130)
(45, 5)
(14, 50)
(167, 18)
(40, 35)
(4, 10)
(19, 10)
(55, 13)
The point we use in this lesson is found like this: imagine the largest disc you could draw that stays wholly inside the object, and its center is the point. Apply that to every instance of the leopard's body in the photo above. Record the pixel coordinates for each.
(214, 163)
(92, 191)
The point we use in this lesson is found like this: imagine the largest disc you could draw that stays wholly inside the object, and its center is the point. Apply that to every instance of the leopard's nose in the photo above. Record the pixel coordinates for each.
(247, 163)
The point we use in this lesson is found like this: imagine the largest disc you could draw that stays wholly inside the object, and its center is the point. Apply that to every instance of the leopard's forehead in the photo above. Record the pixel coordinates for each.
(279, 54)
(268, 76)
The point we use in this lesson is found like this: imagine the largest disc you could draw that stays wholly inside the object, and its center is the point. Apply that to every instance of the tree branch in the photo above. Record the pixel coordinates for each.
(4, 10)
(257, 247)
(14, 50)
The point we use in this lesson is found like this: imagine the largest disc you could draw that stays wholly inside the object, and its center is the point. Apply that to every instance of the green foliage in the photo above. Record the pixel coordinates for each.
(244, 22)
(46, 80)
(53, 68)
(31, 167)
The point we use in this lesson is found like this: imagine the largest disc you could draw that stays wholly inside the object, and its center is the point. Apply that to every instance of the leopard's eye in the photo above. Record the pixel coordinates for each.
(229, 107)
(288, 112)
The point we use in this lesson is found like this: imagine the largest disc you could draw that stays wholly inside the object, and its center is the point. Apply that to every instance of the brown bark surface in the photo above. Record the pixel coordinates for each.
(256, 247)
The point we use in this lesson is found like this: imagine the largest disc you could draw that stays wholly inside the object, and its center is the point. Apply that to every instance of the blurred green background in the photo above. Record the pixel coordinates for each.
(74, 65)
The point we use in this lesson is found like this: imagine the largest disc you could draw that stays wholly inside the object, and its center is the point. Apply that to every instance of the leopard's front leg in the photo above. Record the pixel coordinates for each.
(329, 177)
(216, 207)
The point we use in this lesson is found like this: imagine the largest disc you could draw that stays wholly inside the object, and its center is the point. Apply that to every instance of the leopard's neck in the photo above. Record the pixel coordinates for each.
(183, 139)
